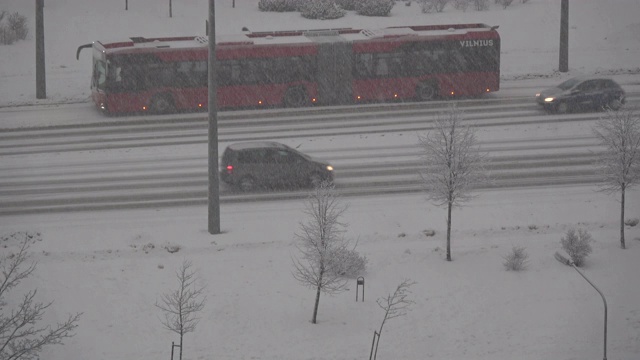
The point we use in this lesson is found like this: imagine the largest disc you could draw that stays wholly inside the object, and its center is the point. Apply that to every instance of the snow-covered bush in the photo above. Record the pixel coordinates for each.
(374, 7)
(321, 9)
(505, 3)
(279, 5)
(632, 222)
(348, 4)
(516, 260)
(352, 264)
(481, 4)
(428, 6)
(13, 27)
(461, 4)
(577, 245)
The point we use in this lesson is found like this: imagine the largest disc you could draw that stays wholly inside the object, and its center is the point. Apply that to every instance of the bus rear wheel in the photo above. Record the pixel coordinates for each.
(162, 104)
(296, 97)
(426, 91)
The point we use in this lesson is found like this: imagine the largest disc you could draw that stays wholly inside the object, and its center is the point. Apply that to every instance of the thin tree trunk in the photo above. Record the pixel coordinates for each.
(449, 232)
(181, 336)
(622, 218)
(315, 307)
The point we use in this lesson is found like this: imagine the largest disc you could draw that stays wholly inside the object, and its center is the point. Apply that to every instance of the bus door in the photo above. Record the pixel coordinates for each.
(334, 73)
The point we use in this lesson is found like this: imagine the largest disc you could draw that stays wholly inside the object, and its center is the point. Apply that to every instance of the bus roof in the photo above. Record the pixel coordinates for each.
(293, 37)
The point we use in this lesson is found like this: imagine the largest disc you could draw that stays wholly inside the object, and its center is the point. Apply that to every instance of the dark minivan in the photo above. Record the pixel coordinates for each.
(249, 165)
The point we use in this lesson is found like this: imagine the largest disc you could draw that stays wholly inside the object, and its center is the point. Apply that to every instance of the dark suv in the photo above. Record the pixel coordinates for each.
(582, 93)
(249, 165)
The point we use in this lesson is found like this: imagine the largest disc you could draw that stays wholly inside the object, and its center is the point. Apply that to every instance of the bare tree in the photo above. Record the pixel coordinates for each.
(454, 163)
(321, 245)
(619, 165)
(181, 306)
(394, 305)
(20, 335)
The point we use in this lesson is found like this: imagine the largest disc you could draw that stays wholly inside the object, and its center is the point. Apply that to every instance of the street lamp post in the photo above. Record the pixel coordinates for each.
(563, 65)
(213, 218)
(568, 262)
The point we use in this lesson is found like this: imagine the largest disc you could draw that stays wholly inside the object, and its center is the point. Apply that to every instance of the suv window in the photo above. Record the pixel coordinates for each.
(253, 156)
(285, 157)
(588, 85)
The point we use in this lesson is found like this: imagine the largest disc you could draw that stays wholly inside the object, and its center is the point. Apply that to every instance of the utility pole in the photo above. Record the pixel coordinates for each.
(214, 187)
(564, 36)
(41, 80)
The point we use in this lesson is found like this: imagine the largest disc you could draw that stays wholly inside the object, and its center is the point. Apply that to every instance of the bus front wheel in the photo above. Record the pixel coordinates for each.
(162, 104)
(296, 97)
(426, 91)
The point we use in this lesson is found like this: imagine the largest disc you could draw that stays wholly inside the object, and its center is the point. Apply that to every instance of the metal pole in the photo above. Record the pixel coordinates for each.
(563, 66)
(214, 187)
(373, 342)
(566, 261)
(605, 309)
(41, 79)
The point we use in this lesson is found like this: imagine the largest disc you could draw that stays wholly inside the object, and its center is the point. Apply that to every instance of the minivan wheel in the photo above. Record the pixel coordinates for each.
(247, 183)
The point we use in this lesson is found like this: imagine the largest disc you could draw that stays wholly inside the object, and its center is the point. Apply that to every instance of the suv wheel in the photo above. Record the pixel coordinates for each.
(562, 108)
(315, 180)
(614, 104)
(247, 183)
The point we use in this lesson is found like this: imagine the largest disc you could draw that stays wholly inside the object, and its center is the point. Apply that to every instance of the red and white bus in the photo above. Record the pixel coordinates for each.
(297, 68)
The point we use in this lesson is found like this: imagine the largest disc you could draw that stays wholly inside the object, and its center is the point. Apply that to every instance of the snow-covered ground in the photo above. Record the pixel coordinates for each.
(470, 308)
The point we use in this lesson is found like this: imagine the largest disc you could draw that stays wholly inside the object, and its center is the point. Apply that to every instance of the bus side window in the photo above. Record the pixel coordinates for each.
(249, 72)
(382, 67)
(396, 65)
(364, 65)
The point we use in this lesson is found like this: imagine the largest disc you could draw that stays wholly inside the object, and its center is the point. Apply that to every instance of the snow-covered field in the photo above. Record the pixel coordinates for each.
(470, 308)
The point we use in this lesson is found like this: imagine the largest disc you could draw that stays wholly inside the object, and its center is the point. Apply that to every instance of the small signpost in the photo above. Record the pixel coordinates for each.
(360, 281)
(173, 346)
